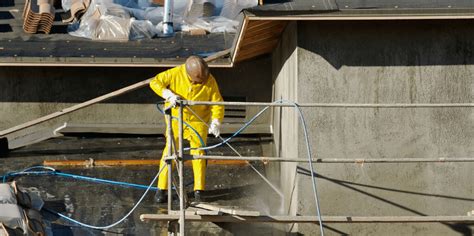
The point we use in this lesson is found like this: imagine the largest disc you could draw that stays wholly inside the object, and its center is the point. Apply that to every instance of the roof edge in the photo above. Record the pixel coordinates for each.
(366, 14)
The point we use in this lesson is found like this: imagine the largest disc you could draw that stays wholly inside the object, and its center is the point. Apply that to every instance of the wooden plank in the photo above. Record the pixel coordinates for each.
(191, 212)
(227, 210)
(270, 45)
(249, 54)
(208, 213)
(197, 32)
(260, 44)
(313, 219)
(256, 25)
(34, 137)
(96, 100)
(202, 212)
(236, 46)
(253, 55)
(275, 27)
(267, 35)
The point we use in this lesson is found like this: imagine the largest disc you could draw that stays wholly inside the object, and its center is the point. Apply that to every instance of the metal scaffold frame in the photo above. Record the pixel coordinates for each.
(180, 158)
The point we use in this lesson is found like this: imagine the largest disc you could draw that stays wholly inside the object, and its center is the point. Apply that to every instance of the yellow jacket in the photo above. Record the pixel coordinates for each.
(178, 81)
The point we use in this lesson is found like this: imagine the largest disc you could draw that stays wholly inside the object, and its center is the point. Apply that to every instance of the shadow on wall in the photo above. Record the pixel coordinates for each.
(5, 15)
(73, 84)
(458, 227)
(389, 43)
(79, 84)
(7, 3)
(284, 50)
(5, 28)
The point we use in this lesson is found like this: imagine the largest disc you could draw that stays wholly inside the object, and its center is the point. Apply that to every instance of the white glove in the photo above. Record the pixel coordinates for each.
(214, 128)
(170, 97)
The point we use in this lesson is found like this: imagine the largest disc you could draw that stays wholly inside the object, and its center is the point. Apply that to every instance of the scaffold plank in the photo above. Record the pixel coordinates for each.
(227, 210)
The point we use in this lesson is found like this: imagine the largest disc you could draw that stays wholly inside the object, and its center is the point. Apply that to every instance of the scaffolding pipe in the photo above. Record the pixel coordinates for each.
(180, 172)
(313, 219)
(168, 18)
(338, 160)
(334, 105)
(169, 164)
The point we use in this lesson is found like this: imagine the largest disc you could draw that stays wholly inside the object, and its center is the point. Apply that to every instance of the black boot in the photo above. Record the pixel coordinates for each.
(198, 196)
(161, 196)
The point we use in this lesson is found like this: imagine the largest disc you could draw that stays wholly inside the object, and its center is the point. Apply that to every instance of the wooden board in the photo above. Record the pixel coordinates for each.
(259, 38)
(227, 210)
(273, 28)
(255, 25)
(264, 35)
(247, 54)
(259, 44)
(198, 211)
(34, 137)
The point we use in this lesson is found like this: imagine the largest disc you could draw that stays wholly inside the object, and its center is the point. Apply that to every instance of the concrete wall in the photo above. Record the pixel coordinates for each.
(387, 62)
(285, 120)
(27, 93)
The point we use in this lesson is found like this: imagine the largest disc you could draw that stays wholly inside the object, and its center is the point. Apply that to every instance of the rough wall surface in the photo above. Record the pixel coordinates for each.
(388, 62)
(27, 93)
(285, 120)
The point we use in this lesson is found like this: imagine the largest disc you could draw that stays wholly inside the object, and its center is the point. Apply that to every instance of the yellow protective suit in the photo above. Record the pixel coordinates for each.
(178, 81)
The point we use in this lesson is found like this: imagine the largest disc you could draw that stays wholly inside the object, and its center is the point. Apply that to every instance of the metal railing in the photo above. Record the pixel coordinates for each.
(180, 157)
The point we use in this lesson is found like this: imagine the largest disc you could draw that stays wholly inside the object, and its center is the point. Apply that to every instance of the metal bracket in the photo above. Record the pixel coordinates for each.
(170, 158)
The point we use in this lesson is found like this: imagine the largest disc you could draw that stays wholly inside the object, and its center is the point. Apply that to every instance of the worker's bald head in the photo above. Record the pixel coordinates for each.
(197, 69)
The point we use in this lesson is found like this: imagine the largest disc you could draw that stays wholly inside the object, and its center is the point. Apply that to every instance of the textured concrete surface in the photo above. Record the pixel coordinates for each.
(387, 62)
(285, 120)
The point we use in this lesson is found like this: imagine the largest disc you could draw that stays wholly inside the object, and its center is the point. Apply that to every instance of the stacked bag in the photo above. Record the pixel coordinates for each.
(77, 9)
(38, 16)
(19, 214)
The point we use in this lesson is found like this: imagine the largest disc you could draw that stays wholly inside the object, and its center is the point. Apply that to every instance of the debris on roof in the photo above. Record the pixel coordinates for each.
(38, 15)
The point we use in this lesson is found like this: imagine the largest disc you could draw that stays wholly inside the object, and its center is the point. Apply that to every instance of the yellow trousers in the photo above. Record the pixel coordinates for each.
(199, 166)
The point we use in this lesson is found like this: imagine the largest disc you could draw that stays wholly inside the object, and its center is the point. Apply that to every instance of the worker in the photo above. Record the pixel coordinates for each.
(191, 81)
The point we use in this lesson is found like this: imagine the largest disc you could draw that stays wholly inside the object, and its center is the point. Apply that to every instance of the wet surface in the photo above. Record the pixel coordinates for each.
(102, 204)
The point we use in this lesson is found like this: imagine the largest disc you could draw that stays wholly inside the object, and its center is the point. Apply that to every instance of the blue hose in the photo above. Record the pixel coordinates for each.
(52, 172)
